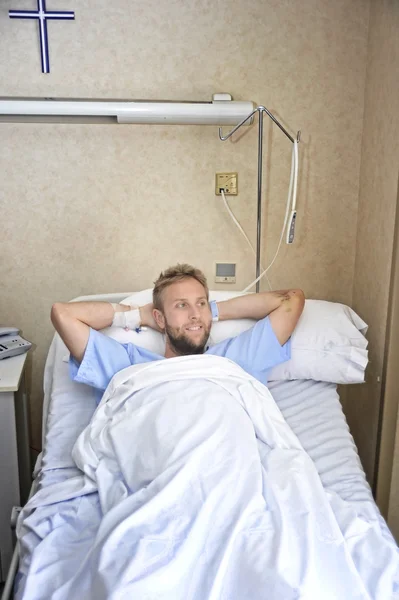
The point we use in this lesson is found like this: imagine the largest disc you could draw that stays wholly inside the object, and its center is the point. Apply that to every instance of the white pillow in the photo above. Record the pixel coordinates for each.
(328, 343)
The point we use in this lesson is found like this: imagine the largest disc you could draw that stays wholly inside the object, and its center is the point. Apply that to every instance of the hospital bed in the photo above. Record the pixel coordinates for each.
(311, 408)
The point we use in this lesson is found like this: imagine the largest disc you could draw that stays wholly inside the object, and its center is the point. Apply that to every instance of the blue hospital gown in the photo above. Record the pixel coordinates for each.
(256, 350)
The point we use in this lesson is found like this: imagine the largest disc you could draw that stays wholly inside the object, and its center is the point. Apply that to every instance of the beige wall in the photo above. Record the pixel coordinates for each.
(376, 221)
(89, 209)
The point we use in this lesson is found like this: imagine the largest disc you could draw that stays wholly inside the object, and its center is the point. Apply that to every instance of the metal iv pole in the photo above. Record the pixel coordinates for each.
(261, 110)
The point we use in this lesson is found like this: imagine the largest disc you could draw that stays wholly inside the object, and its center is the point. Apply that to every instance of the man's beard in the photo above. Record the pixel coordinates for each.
(182, 344)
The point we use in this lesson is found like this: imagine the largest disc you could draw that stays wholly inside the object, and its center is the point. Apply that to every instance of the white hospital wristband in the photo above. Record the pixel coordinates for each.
(214, 310)
(129, 319)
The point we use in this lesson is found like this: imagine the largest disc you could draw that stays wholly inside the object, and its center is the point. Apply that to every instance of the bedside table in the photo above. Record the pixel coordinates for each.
(15, 469)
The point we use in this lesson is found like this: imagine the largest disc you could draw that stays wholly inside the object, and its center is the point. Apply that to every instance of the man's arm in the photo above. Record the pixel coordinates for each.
(73, 320)
(284, 308)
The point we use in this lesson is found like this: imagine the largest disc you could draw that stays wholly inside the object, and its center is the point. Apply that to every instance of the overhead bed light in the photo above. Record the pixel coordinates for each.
(221, 111)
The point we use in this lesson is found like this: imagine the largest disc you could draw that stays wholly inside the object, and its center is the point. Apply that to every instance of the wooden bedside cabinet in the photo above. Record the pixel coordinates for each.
(15, 469)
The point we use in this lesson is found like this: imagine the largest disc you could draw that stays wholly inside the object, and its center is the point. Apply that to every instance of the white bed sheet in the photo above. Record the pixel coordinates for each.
(199, 527)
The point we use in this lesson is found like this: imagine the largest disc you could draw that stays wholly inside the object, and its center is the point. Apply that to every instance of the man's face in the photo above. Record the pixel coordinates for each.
(186, 318)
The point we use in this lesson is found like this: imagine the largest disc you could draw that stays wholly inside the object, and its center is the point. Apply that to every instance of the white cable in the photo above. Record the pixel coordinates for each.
(290, 232)
(293, 186)
(296, 161)
(240, 228)
(235, 220)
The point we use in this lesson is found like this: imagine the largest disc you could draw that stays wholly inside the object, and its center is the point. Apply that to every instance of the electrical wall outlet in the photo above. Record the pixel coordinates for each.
(228, 182)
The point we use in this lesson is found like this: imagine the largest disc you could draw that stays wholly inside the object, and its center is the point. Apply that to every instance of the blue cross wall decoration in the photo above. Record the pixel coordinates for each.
(41, 14)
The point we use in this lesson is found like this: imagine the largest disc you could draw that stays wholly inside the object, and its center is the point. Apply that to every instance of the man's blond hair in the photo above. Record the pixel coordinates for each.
(177, 273)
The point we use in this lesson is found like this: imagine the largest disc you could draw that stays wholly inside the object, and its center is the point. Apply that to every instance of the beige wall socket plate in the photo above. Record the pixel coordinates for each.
(225, 272)
(228, 182)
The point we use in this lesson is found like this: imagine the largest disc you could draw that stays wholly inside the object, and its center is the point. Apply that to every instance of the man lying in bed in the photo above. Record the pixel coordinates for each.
(182, 311)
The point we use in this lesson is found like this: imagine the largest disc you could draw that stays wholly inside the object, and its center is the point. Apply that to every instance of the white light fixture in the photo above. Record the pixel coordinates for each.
(221, 111)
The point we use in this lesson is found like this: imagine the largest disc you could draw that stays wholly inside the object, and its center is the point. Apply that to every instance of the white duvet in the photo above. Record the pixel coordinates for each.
(205, 493)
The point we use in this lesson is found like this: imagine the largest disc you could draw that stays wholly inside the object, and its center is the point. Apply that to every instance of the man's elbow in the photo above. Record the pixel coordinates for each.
(57, 311)
(298, 299)
(298, 294)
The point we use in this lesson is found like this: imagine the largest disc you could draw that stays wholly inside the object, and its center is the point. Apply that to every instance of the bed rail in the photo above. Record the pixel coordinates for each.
(8, 591)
